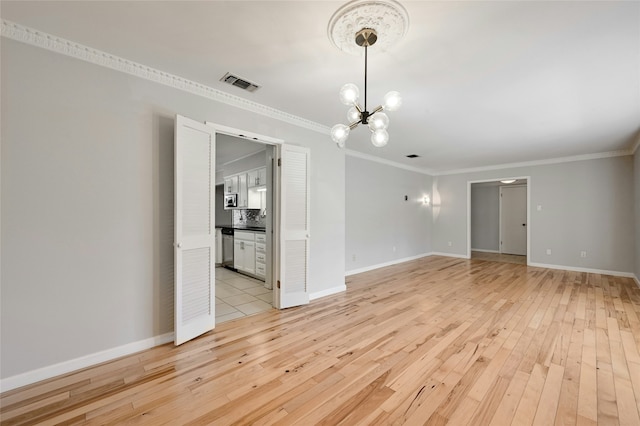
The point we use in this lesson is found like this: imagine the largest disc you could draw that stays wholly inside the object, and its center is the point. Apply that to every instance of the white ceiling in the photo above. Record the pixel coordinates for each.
(483, 83)
(229, 149)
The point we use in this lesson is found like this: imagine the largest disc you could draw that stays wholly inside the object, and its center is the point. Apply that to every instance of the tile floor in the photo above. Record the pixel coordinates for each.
(238, 295)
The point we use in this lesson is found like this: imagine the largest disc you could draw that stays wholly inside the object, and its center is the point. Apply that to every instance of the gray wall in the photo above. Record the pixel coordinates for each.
(379, 219)
(586, 205)
(636, 185)
(87, 205)
(223, 217)
(485, 217)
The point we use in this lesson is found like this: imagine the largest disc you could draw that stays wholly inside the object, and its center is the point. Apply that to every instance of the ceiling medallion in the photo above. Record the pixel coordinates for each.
(388, 18)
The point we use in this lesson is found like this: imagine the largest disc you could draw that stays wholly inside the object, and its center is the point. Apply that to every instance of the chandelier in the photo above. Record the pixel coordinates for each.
(371, 18)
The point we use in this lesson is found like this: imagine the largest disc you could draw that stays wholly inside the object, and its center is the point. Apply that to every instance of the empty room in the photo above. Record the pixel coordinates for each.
(320, 212)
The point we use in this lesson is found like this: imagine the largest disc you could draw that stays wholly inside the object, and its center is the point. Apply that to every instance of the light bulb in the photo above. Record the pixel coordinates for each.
(379, 138)
(339, 134)
(353, 115)
(349, 94)
(392, 101)
(378, 121)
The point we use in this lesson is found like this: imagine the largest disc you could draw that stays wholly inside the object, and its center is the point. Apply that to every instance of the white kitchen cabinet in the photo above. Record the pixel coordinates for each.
(244, 252)
(242, 191)
(231, 185)
(261, 254)
(257, 177)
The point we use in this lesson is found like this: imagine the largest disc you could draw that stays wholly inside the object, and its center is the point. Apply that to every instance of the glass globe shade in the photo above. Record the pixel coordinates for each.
(378, 121)
(379, 138)
(353, 115)
(392, 101)
(339, 134)
(349, 94)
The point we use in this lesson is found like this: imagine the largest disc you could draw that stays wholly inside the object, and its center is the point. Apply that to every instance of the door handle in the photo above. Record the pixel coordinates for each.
(178, 245)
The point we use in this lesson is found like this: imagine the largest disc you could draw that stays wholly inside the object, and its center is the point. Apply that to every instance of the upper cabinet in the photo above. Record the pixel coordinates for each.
(231, 185)
(250, 187)
(257, 177)
(242, 191)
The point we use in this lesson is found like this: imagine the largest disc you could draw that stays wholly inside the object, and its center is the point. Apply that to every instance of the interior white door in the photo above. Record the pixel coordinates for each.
(194, 293)
(513, 220)
(294, 226)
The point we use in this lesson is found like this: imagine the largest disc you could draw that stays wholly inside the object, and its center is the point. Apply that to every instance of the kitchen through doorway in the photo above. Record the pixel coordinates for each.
(244, 170)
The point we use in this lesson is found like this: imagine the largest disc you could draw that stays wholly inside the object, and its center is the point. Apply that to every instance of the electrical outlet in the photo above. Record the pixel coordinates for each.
(583, 254)
(353, 257)
(394, 249)
(548, 252)
(449, 243)
(539, 207)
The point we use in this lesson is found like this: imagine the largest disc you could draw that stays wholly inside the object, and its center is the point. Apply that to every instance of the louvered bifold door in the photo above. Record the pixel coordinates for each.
(194, 229)
(294, 226)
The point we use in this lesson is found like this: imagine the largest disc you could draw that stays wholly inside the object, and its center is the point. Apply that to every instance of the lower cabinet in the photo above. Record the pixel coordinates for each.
(244, 252)
(261, 255)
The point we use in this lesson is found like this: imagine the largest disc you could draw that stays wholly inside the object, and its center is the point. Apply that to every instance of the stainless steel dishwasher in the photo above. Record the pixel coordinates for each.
(227, 248)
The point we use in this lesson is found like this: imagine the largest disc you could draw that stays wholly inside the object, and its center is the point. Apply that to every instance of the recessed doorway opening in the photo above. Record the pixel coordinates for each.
(498, 220)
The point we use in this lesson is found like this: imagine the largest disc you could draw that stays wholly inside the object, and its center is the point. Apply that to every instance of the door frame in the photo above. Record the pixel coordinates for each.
(275, 196)
(500, 214)
(498, 179)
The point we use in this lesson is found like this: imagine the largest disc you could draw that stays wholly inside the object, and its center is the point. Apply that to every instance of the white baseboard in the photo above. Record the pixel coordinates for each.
(578, 269)
(65, 367)
(327, 292)
(635, 277)
(438, 253)
(485, 251)
(382, 265)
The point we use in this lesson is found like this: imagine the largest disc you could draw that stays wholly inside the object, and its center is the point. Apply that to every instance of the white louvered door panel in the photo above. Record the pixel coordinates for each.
(194, 229)
(294, 227)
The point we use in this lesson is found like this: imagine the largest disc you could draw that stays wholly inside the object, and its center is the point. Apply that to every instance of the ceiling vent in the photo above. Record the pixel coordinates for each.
(413, 156)
(234, 80)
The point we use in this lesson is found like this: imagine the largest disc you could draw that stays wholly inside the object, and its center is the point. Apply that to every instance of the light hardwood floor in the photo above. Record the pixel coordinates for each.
(433, 341)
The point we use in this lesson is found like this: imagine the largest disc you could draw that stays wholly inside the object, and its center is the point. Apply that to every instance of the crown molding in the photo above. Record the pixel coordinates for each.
(33, 37)
(375, 159)
(584, 157)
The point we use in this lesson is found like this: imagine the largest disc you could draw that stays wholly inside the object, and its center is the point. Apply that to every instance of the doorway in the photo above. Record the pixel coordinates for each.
(285, 241)
(242, 291)
(498, 220)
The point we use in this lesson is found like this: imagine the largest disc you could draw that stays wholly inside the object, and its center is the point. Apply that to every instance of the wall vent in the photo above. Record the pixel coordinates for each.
(234, 80)
(413, 156)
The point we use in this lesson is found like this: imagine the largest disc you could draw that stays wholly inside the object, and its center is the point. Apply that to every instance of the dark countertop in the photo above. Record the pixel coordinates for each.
(243, 228)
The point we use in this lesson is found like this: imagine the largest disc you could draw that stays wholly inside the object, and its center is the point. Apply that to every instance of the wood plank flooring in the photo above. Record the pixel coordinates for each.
(434, 341)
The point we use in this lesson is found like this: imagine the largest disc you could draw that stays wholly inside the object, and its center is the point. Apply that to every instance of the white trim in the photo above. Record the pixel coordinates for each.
(243, 134)
(75, 50)
(384, 264)
(485, 251)
(65, 367)
(584, 157)
(235, 160)
(637, 280)
(375, 159)
(440, 253)
(578, 269)
(327, 292)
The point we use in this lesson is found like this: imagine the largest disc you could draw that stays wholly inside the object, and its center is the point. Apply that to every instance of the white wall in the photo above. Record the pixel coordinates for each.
(379, 219)
(636, 185)
(485, 217)
(586, 205)
(87, 205)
